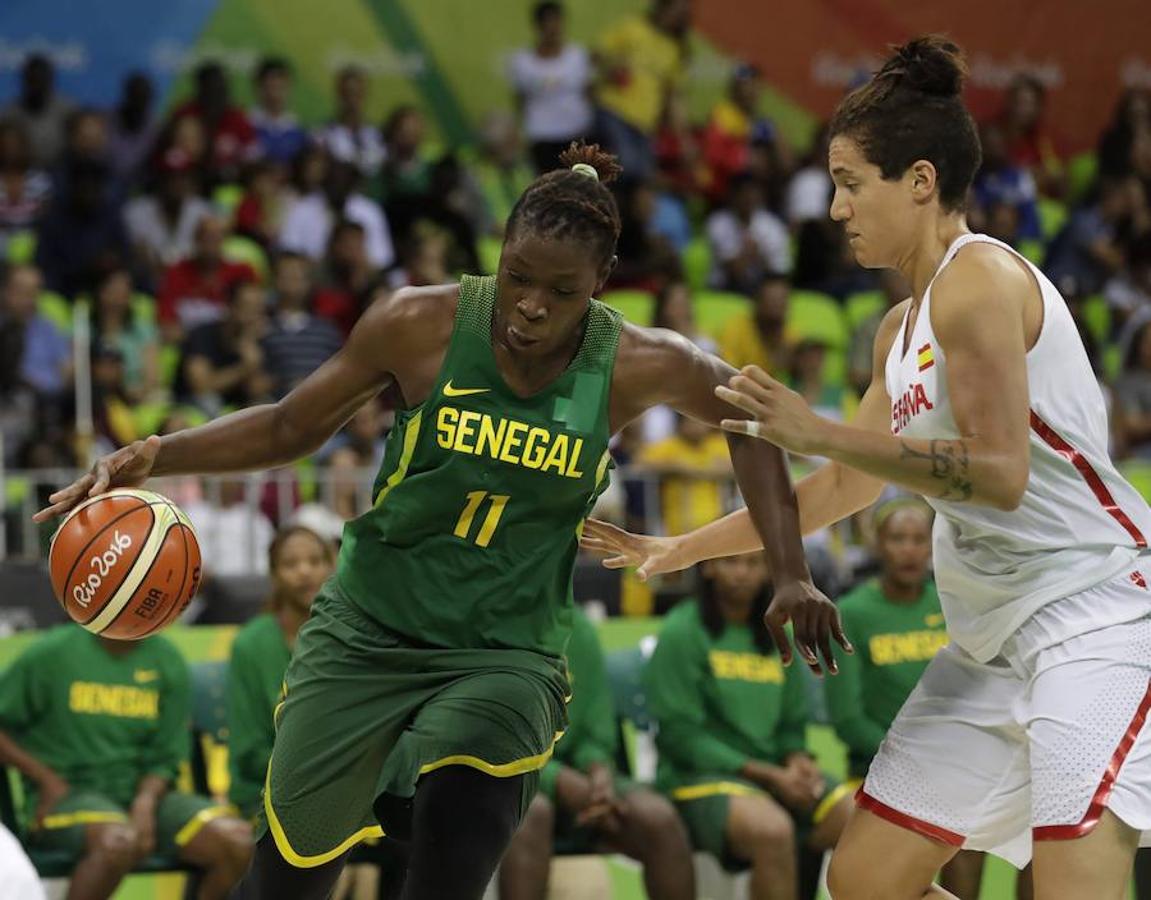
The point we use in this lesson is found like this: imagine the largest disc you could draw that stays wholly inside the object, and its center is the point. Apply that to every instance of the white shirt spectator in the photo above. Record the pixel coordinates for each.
(310, 220)
(809, 195)
(170, 242)
(556, 105)
(726, 234)
(234, 539)
(364, 146)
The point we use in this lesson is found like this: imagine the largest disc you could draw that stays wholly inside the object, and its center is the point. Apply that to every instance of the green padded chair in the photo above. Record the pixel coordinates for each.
(1097, 317)
(1052, 216)
(1138, 472)
(489, 249)
(715, 309)
(637, 306)
(21, 247)
(817, 316)
(860, 307)
(1081, 173)
(245, 250)
(697, 263)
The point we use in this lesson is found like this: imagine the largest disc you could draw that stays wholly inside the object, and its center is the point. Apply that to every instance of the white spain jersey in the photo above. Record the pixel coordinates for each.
(1079, 524)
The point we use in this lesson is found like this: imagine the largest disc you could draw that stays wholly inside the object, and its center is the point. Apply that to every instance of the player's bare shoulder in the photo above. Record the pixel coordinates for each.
(415, 318)
(986, 286)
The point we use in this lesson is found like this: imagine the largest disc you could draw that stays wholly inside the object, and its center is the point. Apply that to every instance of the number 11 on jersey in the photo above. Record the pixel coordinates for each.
(491, 520)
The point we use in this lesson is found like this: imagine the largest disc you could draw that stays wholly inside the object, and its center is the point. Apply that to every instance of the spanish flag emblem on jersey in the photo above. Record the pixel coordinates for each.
(926, 357)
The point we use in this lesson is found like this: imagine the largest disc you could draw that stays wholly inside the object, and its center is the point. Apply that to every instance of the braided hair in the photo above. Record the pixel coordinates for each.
(573, 203)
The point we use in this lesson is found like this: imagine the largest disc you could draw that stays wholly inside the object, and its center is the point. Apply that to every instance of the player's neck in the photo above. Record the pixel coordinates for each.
(734, 610)
(922, 261)
(902, 594)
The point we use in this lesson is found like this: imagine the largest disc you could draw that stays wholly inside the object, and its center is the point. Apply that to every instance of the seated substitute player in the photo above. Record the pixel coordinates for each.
(732, 722)
(98, 728)
(299, 561)
(589, 807)
(427, 689)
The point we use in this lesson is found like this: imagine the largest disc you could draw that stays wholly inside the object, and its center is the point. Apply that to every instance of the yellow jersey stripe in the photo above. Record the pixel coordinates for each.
(828, 803)
(82, 817)
(711, 789)
(194, 825)
(410, 436)
(297, 859)
(498, 770)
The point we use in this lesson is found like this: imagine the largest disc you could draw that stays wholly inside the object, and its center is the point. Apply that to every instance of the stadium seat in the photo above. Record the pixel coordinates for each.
(1097, 317)
(714, 309)
(1033, 251)
(697, 263)
(245, 250)
(862, 306)
(1081, 172)
(1138, 472)
(209, 758)
(226, 198)
(489, 249)
(21, 247)
(817, 316)
(1052, 215)
(637, 306)
(56, 309)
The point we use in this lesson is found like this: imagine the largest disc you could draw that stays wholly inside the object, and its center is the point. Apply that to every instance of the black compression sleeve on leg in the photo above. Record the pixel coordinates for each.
(271, 877)
(462, 823)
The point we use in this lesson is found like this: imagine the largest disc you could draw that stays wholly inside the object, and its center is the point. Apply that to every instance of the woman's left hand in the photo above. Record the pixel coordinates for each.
(779, 415)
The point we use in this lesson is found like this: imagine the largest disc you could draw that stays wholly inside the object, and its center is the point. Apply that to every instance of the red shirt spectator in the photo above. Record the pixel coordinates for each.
(231, 137)
(196, 290)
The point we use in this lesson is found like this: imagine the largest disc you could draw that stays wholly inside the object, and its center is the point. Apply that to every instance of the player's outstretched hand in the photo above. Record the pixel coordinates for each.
(646, 554)
(814, 621)
(128, 467)
(778, 414)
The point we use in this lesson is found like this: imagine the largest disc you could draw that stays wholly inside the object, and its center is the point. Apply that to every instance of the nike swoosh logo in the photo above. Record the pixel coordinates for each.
(145, 677)
(450, 391)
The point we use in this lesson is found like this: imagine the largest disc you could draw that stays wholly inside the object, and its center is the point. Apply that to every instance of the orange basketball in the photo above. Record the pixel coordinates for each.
(125, 564)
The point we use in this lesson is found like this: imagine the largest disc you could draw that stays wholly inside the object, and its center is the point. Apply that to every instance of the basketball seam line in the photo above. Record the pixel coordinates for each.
(124, 577)
(167, 619)
(147, 572)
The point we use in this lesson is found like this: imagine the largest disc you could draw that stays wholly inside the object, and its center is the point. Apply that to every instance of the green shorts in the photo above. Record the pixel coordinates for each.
(704, 804)
(366, 713)
(179, 818)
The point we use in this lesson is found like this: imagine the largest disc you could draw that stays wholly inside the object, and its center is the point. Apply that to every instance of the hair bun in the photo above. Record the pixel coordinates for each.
(590, 157)
(930, 64)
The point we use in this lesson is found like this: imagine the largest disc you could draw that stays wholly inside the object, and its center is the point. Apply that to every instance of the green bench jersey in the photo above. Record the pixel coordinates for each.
(481, 495)
(101, 722)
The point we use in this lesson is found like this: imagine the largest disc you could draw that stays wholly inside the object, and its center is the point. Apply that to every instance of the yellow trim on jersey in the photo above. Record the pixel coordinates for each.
(195, 824)
(498, 770)
(410, 436)
(827, 804)
(82, 817)
(299, 860)
(711, 789)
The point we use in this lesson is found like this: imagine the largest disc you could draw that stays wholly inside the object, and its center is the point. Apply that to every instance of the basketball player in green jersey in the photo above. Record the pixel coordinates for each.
(427, 689)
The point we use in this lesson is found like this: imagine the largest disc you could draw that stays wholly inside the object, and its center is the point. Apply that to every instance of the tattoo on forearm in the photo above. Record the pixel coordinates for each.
(949, 464)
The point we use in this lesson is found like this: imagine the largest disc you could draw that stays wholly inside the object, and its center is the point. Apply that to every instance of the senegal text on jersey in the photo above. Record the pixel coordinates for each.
(478, 434)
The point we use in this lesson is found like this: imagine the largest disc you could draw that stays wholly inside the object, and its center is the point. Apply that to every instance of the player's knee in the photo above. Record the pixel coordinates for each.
(116, 844)
(655, 820)
(771, 832)
(233, 838)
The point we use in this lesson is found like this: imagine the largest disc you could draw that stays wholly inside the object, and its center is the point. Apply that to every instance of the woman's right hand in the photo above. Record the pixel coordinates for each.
(622, 549)
(128, 467)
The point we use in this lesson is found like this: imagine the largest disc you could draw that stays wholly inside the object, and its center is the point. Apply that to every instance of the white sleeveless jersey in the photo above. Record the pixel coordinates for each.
(1079, 524)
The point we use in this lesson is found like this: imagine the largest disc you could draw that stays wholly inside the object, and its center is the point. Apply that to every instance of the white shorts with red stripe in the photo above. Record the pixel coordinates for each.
(1032, 745)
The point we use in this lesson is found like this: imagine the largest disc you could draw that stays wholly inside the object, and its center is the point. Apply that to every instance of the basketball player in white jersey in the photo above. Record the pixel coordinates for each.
(1026, 735)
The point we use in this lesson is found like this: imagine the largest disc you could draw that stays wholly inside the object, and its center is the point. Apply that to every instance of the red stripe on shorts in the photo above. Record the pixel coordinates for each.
(1103, 792)
(1098, 488)
(864, 800)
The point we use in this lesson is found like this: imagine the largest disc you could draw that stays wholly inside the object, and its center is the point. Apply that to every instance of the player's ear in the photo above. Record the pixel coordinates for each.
(605, 273)
(923, 180)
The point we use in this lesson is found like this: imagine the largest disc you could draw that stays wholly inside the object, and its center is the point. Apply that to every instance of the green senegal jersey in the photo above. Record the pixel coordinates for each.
(101, 722)
(720, 701)
(894, 642)
(481, 495)
(260, 656)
